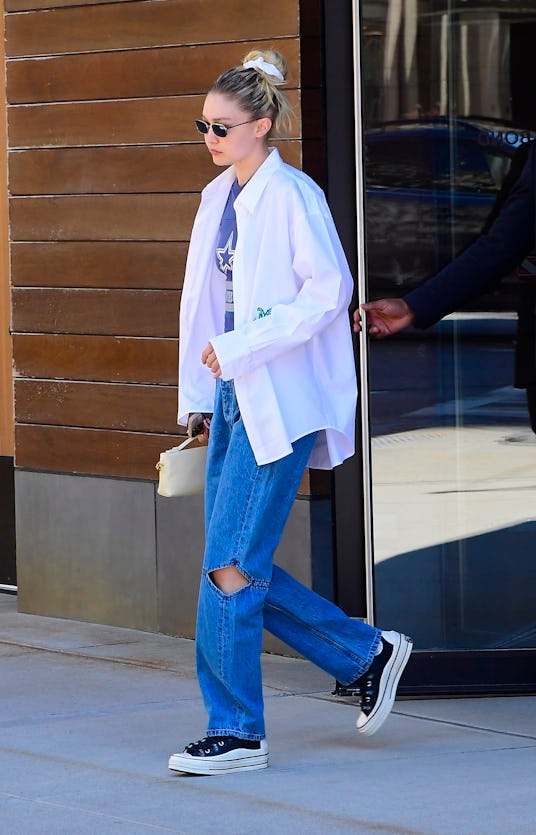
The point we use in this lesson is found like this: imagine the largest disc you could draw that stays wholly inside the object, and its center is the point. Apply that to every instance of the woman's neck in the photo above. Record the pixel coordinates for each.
(245, 169)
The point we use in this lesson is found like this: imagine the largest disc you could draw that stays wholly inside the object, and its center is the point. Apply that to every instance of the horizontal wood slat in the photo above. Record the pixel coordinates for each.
(111, 453)
(148, 168)
(96, 312)
(139, 73)
(97, 405)
(126, 264)
(25, 5)
(127, 122)
(150, 217)
(96, 358)
(147, 24)
(93, 451)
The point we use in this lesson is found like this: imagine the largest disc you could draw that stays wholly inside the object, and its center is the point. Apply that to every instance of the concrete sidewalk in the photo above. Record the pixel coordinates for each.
(90, 714)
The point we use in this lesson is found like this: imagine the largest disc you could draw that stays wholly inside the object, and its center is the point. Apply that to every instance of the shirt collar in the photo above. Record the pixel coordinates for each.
(253, 189)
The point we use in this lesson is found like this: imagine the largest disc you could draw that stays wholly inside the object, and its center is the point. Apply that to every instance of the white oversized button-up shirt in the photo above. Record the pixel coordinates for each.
(290, 355)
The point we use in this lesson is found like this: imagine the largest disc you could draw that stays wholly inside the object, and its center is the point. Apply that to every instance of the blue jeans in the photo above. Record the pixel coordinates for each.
(246, 508)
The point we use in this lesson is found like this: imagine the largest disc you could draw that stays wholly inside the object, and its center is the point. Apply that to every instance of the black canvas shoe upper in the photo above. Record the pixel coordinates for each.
(213, 746)
(378, 685)
(370, 681)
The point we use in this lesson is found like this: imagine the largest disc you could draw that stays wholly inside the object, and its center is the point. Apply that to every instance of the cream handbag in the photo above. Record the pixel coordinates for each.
(181, 471)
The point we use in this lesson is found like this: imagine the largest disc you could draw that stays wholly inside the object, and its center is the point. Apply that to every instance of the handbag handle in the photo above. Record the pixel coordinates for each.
(184, 444)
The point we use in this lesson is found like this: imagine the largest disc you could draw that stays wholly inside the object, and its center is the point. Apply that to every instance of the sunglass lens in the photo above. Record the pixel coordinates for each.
(219, 130)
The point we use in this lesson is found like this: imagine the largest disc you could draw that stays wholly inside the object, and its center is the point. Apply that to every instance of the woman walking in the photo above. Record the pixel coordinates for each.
(265, 349)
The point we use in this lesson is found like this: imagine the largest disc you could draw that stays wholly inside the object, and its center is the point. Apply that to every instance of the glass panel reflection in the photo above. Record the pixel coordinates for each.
(449, 113)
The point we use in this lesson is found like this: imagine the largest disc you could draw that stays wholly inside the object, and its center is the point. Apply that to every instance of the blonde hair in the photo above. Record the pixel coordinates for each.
(257, 92)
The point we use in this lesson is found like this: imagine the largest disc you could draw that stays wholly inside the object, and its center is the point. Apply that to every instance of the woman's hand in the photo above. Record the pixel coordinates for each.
(199, 426)
(209, 358)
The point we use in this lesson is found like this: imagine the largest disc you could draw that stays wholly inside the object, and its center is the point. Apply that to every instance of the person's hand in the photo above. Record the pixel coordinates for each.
(385, 317)
(199, 426)
(209, 358)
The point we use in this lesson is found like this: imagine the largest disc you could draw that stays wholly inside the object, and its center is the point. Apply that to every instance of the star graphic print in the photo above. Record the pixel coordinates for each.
(225, 252)
(225, 255)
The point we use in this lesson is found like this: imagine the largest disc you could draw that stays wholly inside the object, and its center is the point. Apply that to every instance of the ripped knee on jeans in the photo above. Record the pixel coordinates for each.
(229, 579)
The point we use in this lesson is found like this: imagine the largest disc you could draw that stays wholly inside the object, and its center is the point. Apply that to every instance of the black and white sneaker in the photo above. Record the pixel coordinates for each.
(221, 755)
(377, 687)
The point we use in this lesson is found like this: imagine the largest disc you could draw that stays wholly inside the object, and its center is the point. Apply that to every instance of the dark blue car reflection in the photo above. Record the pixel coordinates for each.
(430, 186)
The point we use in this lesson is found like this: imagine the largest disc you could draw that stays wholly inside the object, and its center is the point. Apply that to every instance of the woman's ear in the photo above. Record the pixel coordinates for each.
(262, 126)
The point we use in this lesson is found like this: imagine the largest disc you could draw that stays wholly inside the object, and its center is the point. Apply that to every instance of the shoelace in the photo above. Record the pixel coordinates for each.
(365, 699)
(201, 744)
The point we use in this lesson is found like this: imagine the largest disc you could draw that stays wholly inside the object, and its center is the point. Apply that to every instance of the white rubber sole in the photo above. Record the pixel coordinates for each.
(368, 725)
(244, 759)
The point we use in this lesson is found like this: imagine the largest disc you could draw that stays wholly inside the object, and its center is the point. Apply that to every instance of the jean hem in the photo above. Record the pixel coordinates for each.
(233, 732)
(368, 662)
(343, 651)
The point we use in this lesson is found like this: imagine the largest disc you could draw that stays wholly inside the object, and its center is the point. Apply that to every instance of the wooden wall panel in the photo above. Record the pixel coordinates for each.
(24, 5)
(146, 24)
(126, 264)
(98, 312)
(123, 170)
(6, 350)
(103, 452)
(118, 75)
(98, 358)
(167, 119)
(95, 451)
(134, 408)
(105, 170)
(136, 217)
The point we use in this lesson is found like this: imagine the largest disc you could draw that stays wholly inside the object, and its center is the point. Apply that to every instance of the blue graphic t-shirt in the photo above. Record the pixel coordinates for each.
(225, 250)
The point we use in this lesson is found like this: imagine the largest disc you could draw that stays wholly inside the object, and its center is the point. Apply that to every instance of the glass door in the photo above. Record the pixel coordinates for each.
(448, 117)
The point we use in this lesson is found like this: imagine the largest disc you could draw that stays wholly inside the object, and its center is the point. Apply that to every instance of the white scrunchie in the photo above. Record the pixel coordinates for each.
(260, 64)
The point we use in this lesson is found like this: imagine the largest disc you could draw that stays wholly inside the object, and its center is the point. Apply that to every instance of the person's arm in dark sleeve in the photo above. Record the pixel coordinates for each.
(491, 257)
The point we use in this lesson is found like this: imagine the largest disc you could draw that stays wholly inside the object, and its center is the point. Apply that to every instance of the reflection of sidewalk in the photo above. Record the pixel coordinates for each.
(442, 484)
(89, 715)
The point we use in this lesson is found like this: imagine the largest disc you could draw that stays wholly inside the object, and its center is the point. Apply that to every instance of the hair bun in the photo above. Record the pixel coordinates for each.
(267, 62)
(256, 85)
(265, 67)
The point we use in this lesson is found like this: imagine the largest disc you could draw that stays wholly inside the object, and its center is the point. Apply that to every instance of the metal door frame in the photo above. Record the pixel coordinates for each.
(429, 673)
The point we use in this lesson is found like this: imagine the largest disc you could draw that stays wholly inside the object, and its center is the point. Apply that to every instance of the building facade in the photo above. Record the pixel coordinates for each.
(105, 170)
(410, 114)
